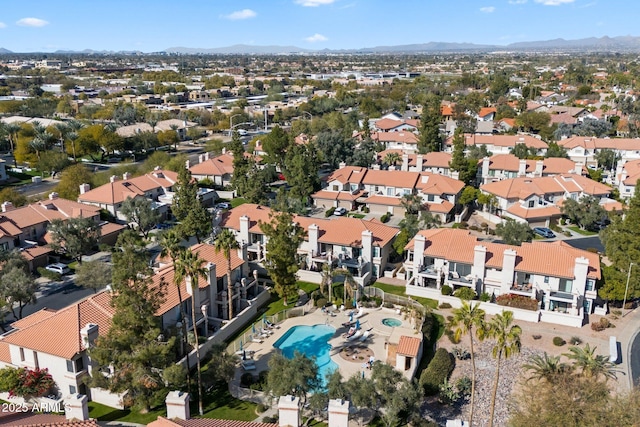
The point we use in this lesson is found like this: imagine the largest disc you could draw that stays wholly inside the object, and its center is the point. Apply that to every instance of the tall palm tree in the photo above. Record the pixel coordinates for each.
(548, 368)
(391, 159)
(465, 319)
(507, 338)
(170, 243)
(190, 265)
(12, 130)
(591, 364)
(225, 242)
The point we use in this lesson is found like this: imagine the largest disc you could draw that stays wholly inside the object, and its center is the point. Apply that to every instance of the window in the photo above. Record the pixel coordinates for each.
(431, 198)
(376, 251)
(391, 191)
(531, 203)
(21, 354)
(35, 360)
(4, 246)
(70, 366)
(591, 284)
(410, 256)
(79, 364)
(566, 285)
(546, 280)
(72, 389)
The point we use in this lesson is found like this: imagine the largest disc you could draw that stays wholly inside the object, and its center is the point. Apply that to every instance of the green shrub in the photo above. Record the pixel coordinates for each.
(597, 326)
(485, 297)
(446, 290)
(474, 228)
(464, 225)
(321, 302)
(465, 294)
(387, 305)
(558, 341)
(270, 420)
(261, 408)
(385, 218)
(463, 385)
(246, 379)
(51, 275)
(452, 336)
(575, 341)
(438, 370)
(444, 305)
(517, 301)
(427, 325)
(605, 323)
(329, 212)
(365, 209)
(536, 336)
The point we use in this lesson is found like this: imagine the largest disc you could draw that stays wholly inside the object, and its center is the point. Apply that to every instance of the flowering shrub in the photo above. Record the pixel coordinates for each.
(517, 301)
(26, 382)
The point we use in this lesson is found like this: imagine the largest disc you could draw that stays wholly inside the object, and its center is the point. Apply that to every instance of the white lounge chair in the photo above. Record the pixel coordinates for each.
(256, 339)
(360, 313)
(364, 336)
(355, 336)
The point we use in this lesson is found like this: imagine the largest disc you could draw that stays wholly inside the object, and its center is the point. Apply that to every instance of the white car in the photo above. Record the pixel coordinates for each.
(340, 211)
(59, 268)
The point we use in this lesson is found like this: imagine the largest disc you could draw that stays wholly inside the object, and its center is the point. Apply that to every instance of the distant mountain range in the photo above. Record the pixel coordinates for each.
(592, 44)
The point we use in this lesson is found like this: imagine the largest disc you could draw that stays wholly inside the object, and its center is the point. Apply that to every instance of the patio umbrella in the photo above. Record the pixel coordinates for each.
(240, 345)
(355, 302)
(264, 320)
(357, 324)
(351, 317)
(253, 328)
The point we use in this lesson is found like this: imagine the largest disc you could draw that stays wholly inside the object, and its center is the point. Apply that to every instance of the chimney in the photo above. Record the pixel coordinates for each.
(419, 162)
(508, 269)
(177, 405)
(289, 411)
(486, 162)
(580, 271)
(187, 163)
(7, 206)
(84, 188)
(190, 289)
(53, 196)
(522, 167)
(113, 178)
(479, 261)
(338, 413)
(405, 162)
(75, 407)
(539, 167)
(156, 169)
(375, 167)
(367, 245)
(578, 168)
(224, 150)
(419, 245)
(313, 238)
(455, 174)
(200, 158)
(342, 165)
(88, 334)
(206, 156)
(244, 229)
(126, 176)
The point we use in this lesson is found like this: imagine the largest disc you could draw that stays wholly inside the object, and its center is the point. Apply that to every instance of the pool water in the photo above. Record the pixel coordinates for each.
(312, 341)
(391, 322)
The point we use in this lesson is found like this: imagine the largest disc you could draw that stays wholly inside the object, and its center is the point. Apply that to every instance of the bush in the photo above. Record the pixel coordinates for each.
(460, 353)
(558, 341)
(517, 301)
(438, 370)
(246, 379)
(261, 408)
(466, 294)
(536, 336)
(485, 297)
(463, 385)
(464, 225)
(387, 305)
(365, 209)
(427, 326)
(51, 275)
(385, 218)
(446, 290)
(597, 326)
(474, 228)
(270, 420)
(575, 341)
(452, 336)
(321, 302)
(444, 305)
(329, 212)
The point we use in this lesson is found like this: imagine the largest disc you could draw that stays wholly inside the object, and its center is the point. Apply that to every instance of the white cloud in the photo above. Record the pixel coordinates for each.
(32, 22)
(313, 3)
(316, 38)
(487, 9)
(554, 2)
(241, 14)
(517, 1)
(3, 25)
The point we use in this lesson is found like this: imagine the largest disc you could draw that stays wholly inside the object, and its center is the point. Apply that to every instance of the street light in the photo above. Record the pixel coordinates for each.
(626, 289)
(231, 121)
(203, 309)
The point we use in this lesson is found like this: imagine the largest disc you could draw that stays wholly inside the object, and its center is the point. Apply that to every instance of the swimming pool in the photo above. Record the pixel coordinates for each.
(391, 322)
(312, 341)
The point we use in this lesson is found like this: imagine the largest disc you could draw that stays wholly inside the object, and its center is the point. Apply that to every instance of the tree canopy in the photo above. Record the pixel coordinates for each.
(74, 236)
(514, 232)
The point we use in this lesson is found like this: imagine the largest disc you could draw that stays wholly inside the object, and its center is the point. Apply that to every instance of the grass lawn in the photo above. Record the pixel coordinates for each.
(220, 404)
(237, 202)
(576, 229)
(276, 304)
(106, 413)
(400, 290)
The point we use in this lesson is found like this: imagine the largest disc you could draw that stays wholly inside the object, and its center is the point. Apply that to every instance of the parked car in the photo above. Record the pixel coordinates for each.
(223, 205)
(340, 211)
(59, 268)
(544, 232)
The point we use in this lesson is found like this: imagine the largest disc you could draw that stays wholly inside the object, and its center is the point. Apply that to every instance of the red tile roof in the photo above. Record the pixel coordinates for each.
(117, 192)
(48, 210)
(408, 346)
(523, 187)
(28, 419)
(591, 143)
(216, 166)
(206, 422)
(544, 258)
(348, 174)
(501, 140)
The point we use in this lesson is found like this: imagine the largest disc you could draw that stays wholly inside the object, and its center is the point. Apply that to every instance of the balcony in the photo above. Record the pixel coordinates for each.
(454, 279)
(525, 289)
(561, 296)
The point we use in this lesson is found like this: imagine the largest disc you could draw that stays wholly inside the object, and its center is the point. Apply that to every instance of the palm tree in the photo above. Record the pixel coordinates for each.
(465, 319)
(546, 367)
(170, 243)
(225, 242)
(591, 364)
(190, 266)
(12, 130)
(507, 338)
(391, 158)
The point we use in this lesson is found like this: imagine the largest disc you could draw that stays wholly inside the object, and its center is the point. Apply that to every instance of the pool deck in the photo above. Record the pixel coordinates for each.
(371, 320)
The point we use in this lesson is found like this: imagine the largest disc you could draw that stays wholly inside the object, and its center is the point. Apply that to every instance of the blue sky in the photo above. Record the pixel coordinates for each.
(153, 25)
